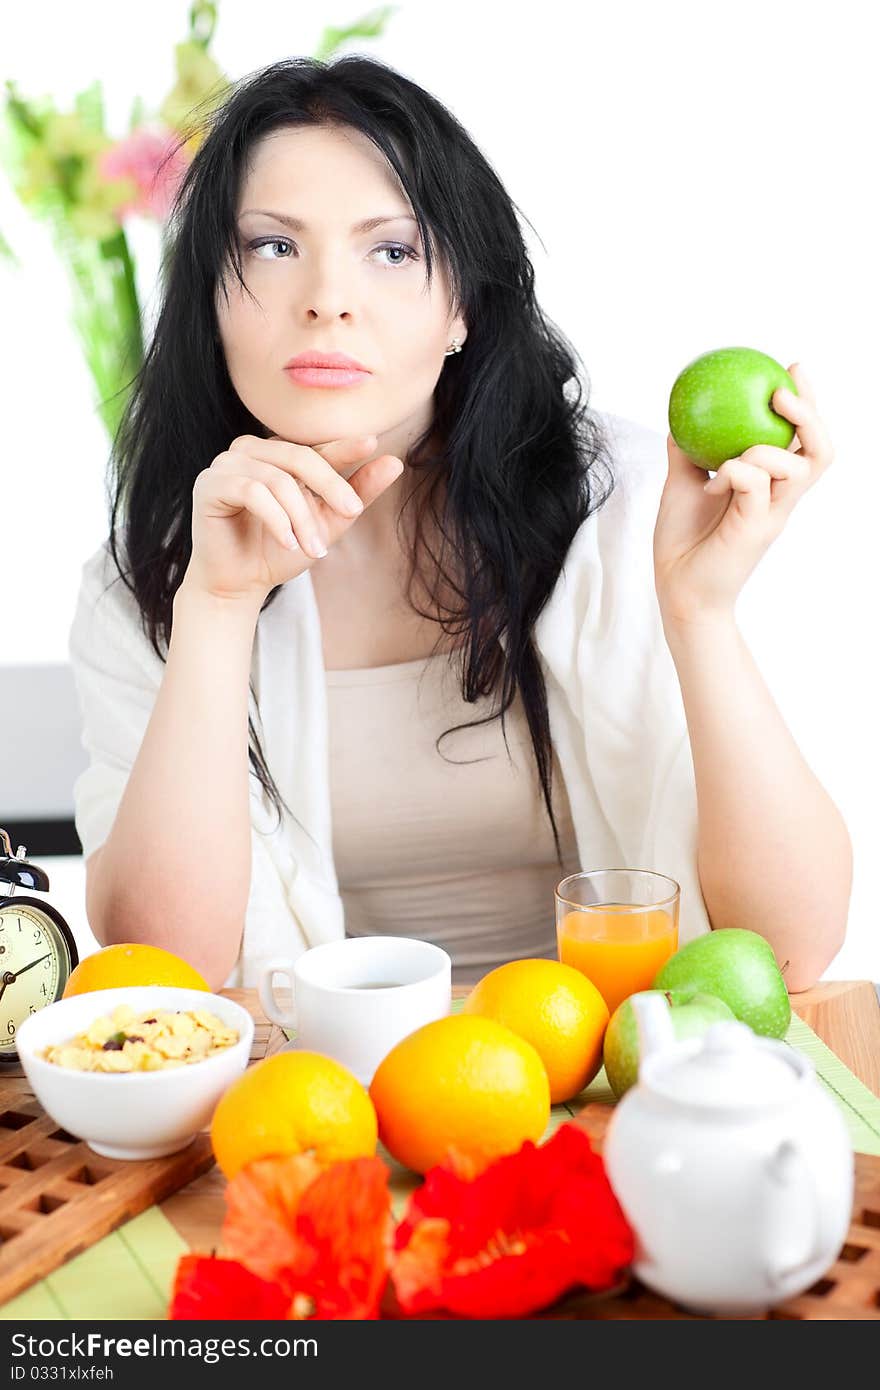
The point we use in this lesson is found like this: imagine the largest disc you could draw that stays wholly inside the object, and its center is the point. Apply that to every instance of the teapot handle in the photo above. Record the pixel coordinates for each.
(788, 1164)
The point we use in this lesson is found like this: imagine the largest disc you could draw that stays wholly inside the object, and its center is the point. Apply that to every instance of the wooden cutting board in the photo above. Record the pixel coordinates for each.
(57, 1195)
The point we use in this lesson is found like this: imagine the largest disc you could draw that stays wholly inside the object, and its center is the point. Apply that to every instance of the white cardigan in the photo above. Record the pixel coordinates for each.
(616, 717)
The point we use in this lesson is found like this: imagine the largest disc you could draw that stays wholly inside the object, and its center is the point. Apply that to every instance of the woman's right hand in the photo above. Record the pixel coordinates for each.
(262, 493)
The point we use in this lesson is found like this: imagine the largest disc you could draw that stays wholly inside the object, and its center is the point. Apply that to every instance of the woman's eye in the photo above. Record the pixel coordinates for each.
(270, 241)
(406, 253)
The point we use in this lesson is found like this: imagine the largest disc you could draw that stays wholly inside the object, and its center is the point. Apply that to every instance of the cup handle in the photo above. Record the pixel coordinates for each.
(280, 965)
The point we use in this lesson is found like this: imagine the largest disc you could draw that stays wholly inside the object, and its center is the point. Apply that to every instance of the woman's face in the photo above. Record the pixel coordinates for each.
(327, 288)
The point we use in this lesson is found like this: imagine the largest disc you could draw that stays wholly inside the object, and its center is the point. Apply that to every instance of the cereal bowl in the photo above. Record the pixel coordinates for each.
(132, 1114)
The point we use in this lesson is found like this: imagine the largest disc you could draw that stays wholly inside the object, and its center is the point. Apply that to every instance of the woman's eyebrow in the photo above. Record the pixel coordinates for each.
(296, 225)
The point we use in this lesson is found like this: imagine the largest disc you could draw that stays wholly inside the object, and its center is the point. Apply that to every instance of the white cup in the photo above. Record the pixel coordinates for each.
(355, 999)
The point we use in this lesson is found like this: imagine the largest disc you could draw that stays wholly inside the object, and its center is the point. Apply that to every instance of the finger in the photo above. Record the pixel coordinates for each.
(680, 462)
(779, 463)
(311, 466)
(800, 410)
(304, 521)
(300, 504)
(339, 454)
(748, 485)
(242, 493)
(307, 525)
(805, 387)
(374, 477)
(789, 474)
(319, 537)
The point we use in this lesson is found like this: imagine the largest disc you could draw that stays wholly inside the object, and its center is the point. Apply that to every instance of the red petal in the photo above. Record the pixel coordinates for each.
(515, 1237)
(417, 1271)
(508, 1286)
(208, 1288)
(344, 1235)
(473, 1209)
(262, 1202)
(323, 1233)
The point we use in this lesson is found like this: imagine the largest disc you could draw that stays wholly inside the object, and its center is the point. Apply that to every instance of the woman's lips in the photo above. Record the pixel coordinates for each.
(326, 376)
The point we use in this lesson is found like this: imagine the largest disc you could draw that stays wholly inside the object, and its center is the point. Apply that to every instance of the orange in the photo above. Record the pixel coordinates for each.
(555, 1008)
(132, 964)
(293, 1103)
(461, 1082)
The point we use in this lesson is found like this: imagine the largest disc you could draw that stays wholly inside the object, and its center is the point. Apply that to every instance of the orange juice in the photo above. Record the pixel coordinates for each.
(617, 948)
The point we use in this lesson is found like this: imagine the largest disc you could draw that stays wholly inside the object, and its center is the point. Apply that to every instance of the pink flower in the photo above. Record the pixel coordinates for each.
(146, 157)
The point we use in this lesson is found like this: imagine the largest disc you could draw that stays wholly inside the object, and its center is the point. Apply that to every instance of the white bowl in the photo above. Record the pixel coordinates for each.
(143, 1114)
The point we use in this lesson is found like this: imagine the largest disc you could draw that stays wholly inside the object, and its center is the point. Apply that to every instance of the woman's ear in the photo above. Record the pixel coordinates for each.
(457, 329)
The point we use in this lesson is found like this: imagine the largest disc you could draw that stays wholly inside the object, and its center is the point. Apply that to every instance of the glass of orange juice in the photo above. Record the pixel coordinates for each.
(617, 926)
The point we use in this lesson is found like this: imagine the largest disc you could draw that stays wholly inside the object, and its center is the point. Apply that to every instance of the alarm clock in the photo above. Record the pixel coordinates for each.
(37, 949)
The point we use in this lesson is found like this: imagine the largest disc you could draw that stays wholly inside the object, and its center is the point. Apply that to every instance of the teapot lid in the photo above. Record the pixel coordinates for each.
(729, 1066)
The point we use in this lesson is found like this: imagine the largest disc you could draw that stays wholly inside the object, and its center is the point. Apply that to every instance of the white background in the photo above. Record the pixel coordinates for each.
(698, 175)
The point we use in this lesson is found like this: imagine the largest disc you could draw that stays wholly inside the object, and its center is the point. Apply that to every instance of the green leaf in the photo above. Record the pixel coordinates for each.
(137, 114)
(7, 253)
(104, 308)
(11, 143)
(370, 26)
(202, 19)
(24, 117)
(89, 106)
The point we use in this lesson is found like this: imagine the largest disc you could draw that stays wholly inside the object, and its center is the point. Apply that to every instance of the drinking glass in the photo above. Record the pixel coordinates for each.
(617, 926)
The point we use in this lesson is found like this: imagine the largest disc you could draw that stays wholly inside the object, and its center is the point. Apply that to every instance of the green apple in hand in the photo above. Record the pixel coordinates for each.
(739, 967)
(720, 405)
(691, 1015)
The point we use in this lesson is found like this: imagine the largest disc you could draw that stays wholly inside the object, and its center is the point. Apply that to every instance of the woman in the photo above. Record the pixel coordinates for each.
(447, 537)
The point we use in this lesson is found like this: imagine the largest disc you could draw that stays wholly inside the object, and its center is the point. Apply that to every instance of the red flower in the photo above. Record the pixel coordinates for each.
(322, 1235)
(209, 1288)
(513, 1238)
(262, 1201)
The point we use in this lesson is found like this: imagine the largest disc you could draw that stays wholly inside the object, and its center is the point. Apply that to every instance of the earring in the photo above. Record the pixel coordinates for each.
(454, 347)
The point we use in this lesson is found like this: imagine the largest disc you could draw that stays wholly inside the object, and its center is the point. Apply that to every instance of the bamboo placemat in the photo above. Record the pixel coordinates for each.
(860, 1107)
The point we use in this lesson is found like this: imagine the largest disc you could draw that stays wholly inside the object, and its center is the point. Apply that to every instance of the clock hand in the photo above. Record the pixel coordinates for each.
(9, 978)
(29, 966)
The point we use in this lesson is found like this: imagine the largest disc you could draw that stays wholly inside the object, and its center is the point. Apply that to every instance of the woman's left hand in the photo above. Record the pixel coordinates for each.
(707, 540)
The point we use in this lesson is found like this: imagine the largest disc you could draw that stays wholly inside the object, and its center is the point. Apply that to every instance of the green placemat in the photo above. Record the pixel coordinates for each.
(129, 1273)
(861, 1108)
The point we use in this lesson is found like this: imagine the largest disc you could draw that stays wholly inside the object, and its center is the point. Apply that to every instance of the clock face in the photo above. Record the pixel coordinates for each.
(34, 967)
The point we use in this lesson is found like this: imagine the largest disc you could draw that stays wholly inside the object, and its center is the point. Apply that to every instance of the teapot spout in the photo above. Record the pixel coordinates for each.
(653, 1023)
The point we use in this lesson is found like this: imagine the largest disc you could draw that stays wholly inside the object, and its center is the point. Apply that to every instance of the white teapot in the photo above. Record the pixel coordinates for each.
(731, 1164)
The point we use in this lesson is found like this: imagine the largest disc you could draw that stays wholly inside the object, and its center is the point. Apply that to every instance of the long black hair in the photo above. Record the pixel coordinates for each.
(511, 437)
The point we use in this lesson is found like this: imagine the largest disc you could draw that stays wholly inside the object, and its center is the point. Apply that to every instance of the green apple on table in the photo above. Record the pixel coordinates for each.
(720, 405)
(691, 1014)
(737, 966)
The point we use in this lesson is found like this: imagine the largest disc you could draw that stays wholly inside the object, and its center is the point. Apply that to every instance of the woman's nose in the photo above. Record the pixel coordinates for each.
(326, 288)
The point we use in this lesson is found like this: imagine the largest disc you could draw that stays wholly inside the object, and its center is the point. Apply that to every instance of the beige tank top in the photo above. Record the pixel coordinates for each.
(451, 846)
